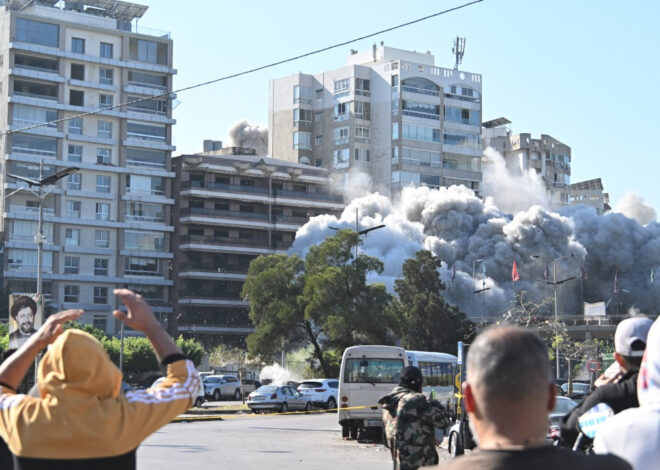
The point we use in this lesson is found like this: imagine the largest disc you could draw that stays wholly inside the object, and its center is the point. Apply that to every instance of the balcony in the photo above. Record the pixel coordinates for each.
(227, 187)
(418, 114)
(251, 242)
(211, 268)
(159, 88)
(307, 195)
(420, 91)
(16, 209)
(192, 211)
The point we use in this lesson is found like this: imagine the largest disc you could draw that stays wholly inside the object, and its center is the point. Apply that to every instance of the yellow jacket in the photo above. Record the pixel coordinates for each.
(81, 413)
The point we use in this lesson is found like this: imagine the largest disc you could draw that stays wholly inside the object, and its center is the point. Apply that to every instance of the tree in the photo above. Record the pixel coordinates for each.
(323, 301)
(427, 321)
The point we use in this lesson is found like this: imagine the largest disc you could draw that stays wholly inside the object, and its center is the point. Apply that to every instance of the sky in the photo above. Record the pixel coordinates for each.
(583, 71)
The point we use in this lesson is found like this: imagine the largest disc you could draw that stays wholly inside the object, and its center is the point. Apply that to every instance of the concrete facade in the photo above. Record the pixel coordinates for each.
(108, 225)
(388, 113)
(590, 193)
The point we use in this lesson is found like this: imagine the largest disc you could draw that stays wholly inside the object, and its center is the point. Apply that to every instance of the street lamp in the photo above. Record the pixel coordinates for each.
(476, 291)
(555, 284)
(359, 232)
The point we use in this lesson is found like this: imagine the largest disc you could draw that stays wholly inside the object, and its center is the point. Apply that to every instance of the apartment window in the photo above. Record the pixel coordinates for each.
(104, 129)
(318, 140)
(342, 87)
(101, 238)
(302, 94)
(341, 111)
(71, 265)
(395, 131)
(105, 101)
(100, 322)
(341, 158)
(74, 181)
(100, 266)
(362, 134)
(103, 183)
(420, 133)
(318, 117)
(362, 110)
(146, 241)
(302, 140)
(362, 87)
(76, 126)
(395, 155)
(301, 115)
(27, 116)
(33, 145)
(146, 158)
(77, 71)
(75, 153)
(100, 295)
(73, 209)
(71, 237)
(319, 94)
(106, 76)
(36, 32)
(362, 154)
(71, 294)
(36, 63)
(106, 50)
(78, 45)
(143, 266)
(341, 135)
(76, 98)
(103, 156)
(144, 211)
(138, 130)
(151, 106)
(102, 211)
(147, 80)
(464, 139)
(145, 184)
(148, 51)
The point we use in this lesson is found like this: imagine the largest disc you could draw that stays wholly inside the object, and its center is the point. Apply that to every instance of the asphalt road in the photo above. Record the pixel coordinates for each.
(277, 442)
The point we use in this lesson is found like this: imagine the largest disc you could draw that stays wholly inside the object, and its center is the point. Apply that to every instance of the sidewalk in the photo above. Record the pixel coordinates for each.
(211, 413)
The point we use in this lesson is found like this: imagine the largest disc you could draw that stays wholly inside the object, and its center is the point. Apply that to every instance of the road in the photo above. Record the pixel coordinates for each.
(277, 442)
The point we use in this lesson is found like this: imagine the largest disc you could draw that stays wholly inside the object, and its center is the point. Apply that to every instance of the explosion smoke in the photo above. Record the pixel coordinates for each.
(244, 134)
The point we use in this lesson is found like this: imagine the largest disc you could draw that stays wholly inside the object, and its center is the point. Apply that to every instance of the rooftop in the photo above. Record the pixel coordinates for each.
(118, 10)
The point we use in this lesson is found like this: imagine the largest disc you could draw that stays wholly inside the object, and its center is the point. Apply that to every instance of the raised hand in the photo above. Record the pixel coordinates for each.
(52, 327)
(139, 315)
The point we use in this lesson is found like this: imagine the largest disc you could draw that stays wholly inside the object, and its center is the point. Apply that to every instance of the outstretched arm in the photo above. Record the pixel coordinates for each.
(13, 370)
(140, 317)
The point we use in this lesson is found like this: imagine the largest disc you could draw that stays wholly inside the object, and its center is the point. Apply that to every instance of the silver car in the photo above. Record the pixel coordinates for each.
(277, 398)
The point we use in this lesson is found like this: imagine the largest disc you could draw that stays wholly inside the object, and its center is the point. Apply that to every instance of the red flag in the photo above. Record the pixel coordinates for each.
(514, 272)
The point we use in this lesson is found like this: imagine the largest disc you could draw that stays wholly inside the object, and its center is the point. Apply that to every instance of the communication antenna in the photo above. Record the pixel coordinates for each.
(458, 50)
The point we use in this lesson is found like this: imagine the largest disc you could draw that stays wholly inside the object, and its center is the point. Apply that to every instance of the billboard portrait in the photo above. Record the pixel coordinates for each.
(24, 318)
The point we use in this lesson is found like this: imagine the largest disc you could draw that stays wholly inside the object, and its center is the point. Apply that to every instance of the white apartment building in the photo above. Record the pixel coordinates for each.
(389, 113)
(107, 225)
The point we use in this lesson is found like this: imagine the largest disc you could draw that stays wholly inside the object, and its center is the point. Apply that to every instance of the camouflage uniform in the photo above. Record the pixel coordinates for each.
(409, 421)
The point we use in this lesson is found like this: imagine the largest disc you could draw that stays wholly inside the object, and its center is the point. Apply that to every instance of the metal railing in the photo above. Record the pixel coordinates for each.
(224, 213)
(418, 114)
(420, 91)
(147, 85)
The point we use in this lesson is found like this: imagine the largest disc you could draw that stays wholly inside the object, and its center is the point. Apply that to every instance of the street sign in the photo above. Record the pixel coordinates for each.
(593, 365)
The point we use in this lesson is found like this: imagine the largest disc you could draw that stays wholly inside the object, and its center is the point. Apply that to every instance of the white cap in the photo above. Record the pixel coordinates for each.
(630, 330)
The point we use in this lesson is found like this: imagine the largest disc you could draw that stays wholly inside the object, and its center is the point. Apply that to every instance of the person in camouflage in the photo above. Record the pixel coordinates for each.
(409, 422)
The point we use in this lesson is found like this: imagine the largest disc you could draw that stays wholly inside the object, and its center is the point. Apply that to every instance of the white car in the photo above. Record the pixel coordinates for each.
(321, 392)
(199, 397)
(280, 398)
(222, 386)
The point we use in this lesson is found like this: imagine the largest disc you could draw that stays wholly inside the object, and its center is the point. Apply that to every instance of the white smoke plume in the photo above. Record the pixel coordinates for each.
(244, 134)
(470, 234)
(633, 205)
(277, 375)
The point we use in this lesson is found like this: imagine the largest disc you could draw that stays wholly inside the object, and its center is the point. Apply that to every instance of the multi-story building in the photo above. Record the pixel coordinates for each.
(590, 193)
(389, 113)
(232, 207)
(546, 156)
(106, 225)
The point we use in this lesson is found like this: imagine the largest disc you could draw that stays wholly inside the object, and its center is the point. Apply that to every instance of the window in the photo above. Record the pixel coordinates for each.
(101, 238)
(27, 116)
(100, 295)
(103, 183)
(73, 208)
(148, 51)
(423, 158)
(77, 71)
(100, 322)
(100, 266)
(319, 94)
(341, 111)
(301, 115)
(151, 106)
(373, 370)
(75, 153)
(74, 181)
(318, 117)
(462, 116)
(144, 211)
(420, 110)
(143, 266)
(104, 129)
(341, 135)
(36, 63)
(76, 126)
(105, 101)
(145, 241)
(44, 91)
(71, 294)
(33, 145)
(395, 131)
(138, 130)
(362, 134)
(302, 140)
(146, 158)
(362, 154)
(342, 87)
(341, 158)
(106, 50)
(395, 155)
(362, 110)
(302, 94)
(102, 211)
(103, 156)
(362, 87)
(318, 140)
(464, 139)
(36, 32)
(71, 237)
(106, 76)
(145, 184)
(71, 265)
(76, 98)
(78, 45)
(147, 80)
(420, 133)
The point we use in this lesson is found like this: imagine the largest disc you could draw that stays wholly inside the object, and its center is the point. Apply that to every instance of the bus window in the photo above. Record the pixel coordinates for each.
(362, 370)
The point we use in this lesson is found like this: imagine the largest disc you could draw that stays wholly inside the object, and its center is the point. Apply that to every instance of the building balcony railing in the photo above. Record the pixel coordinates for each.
(290, 219)
(206, 267)
(226, 187)
(223, 213)
(34, 95)
(420, 91)
(225, 241)
(153, 192)
(471, 99)
(30, 210)
(36, 69)
(146, 164)
(145, 218)
(33, 151)
(306, 195)
(148, 85)
(418, 114)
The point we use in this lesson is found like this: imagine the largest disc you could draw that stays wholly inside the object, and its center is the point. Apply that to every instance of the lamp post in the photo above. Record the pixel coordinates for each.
(359, 232)
(555, 284)
(476, 291)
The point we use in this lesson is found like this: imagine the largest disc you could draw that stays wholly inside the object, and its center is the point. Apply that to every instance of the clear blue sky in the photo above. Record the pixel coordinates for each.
(585, 72)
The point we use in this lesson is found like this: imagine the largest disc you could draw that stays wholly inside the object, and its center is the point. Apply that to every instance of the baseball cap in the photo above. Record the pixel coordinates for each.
(630, 330)
(411, 377)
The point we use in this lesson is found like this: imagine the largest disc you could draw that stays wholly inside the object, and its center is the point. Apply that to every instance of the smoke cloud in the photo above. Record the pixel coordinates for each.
(480, 241)
(633, 205)
(244, 134)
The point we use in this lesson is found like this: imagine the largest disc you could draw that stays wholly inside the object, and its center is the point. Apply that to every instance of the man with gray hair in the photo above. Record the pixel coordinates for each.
(508, 395)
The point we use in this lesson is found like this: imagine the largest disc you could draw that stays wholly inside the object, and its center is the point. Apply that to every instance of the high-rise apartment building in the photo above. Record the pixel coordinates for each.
(106, 225)
(547, 156)
(233, 206)
(389, 113)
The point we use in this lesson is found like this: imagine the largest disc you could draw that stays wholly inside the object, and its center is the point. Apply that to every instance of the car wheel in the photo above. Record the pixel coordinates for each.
(308, 406)
(216, 395)
(237, 395)
(198, 402)
(284, 408)
(332, 404)
(454, 446)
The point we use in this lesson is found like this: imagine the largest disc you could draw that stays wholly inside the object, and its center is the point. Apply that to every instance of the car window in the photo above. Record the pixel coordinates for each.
(333, 384)
(267, 389)
(310, 384)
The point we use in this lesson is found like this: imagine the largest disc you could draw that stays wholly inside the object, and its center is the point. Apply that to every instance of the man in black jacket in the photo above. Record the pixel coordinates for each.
(620, 390)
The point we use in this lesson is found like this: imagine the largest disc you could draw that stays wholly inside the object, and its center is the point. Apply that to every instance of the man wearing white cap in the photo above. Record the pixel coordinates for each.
(620, 390)
(634, 434)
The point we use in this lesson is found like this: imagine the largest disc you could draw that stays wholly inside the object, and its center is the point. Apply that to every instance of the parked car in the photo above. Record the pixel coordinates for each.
(199, 398)
(580, 389)
(222, 386)
(321, 392)
(563, 406)
(277, 398)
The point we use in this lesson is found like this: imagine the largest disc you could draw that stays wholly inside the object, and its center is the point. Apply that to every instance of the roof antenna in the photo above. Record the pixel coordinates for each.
(458, 50)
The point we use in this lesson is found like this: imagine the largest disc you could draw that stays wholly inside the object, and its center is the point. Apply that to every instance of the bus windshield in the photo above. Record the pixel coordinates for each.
(373, 370)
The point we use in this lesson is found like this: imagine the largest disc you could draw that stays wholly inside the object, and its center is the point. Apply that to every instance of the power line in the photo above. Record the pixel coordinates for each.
(246, 72)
